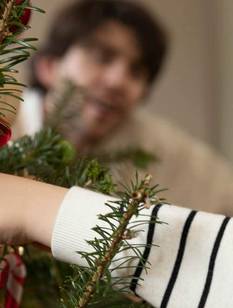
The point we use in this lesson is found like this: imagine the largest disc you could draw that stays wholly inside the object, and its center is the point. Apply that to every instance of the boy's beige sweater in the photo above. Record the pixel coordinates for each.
(195, 175)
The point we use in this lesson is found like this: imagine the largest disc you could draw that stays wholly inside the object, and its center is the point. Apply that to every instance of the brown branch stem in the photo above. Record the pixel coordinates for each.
(4, 27)
(112, 250)
(117, 238)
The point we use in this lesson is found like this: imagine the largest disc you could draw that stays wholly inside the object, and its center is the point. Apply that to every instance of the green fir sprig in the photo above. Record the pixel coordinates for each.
(64, 115)
(139, 157)
(48, 157)
(112, 245)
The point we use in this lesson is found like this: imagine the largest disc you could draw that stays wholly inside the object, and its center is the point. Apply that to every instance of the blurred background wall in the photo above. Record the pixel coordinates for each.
(195, 89)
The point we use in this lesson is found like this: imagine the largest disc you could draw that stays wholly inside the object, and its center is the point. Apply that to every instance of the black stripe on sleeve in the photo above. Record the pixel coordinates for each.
(178, 261)
(212, 263)
(146, 252)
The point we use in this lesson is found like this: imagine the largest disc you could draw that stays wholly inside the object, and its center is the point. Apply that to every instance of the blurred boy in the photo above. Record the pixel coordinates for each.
(113, 51)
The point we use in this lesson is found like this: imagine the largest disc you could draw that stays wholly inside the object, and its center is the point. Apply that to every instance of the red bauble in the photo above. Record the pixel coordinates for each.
(24, 18)
(5, 133)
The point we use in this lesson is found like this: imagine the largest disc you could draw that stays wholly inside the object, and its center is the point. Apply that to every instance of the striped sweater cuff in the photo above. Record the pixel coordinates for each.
(190, 256)
(192, 265)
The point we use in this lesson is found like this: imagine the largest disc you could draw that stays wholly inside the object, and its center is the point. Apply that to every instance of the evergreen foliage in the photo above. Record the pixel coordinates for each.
(13, 50)
(48, 157)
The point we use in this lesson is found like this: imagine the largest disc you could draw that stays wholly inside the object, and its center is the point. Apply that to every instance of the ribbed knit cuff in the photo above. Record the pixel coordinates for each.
(77, 215)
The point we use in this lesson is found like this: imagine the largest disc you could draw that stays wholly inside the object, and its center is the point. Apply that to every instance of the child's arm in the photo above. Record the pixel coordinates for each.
(27, 210)
(190, 259)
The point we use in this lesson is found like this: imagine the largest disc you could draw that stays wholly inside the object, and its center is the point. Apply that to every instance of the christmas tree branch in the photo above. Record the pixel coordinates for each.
(49, 158)
(46, 157)
(113, 240)
(13, 50)
(117, 236)
(4, 26)
(64, 115)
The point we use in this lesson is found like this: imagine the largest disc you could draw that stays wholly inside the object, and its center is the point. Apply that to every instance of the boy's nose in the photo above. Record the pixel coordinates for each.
(117, 76)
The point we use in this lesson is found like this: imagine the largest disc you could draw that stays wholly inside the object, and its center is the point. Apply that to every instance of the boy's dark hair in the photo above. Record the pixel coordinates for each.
(78, 21)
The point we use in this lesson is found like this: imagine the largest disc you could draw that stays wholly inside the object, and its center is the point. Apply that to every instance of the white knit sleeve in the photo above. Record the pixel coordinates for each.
(190, 254)
(77, 215)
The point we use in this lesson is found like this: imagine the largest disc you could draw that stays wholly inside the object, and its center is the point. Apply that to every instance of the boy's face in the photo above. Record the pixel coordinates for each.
(108, 67)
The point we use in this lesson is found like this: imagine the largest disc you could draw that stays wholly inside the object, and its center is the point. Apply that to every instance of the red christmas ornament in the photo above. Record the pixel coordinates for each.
(24, 18)
(12, 278)
(5, 133)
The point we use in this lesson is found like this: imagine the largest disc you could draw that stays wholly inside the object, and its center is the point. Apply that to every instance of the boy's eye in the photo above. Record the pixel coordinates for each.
(99, 52)
(138, 71)
(103, 55)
